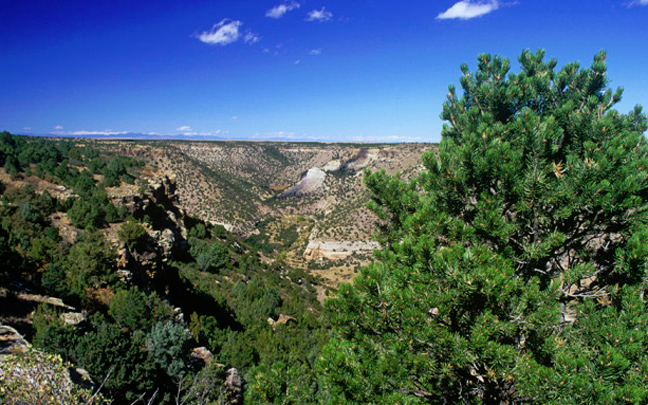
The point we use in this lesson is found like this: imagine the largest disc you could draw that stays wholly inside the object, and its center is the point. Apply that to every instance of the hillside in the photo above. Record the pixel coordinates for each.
(301, 202)
(104, 270)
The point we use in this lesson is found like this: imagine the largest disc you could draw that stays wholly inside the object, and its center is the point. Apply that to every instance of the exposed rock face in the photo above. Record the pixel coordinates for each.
(332, 166)
(163, 190)
(336, 250)
(74, 318)
(166, 233)
(360, 159)
(11, 341)
(203, 354)
(29, 376)
(282, 320)
(167, 241)
(234, 386)
(310, 182)
(57, 302)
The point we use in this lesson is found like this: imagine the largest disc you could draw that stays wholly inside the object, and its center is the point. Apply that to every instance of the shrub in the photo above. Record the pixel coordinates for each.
(170, 345)
(133, 234)
(128, 308)
(210, 257)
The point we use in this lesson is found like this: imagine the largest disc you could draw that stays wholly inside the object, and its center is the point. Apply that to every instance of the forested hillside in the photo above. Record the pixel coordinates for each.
(151, 302)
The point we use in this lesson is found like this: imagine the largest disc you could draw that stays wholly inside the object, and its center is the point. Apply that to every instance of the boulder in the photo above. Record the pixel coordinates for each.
(166, 241)
(282, 320)
(11, 341)
(202, 353)
(74, 318)
(234, 387)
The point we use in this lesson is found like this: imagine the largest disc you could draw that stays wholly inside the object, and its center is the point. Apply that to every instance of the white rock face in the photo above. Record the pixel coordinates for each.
(332, 166)
(309, 183)
(360, 160)
(337, 249)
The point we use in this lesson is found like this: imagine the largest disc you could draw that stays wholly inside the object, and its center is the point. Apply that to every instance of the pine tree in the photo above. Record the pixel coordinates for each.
(514, 266)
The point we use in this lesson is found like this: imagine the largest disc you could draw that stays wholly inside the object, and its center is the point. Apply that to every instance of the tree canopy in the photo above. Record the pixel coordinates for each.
(514, 265)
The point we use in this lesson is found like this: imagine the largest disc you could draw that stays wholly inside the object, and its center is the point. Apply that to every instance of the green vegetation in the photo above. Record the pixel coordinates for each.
(144, 313)
(132, 309)
(516, 263)
(169, 344)
(133, 234)
(513, 270)
(209, 256)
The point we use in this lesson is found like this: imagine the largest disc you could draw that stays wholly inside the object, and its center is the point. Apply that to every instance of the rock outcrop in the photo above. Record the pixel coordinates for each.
(234, 387)
(11, 341)
(74, 318)
(29, 376)
(166, 233)
(282, 320)
(311, 181)
(337, 250)
(202, 354)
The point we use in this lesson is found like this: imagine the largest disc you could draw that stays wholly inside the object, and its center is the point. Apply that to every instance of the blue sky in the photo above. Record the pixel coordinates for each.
(364, 70)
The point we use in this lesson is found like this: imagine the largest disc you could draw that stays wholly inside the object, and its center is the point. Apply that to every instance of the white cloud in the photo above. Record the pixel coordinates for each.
(251, 38)
(638, 3)
(319, 15)
(280, 10)
(316, 51)
(467, 9)
(104, 132)
(297, 62)
(223, 33)
(89, 133)
(184, 128)
(276, 135)
(213, 133)
(227, 32)
(58, 127)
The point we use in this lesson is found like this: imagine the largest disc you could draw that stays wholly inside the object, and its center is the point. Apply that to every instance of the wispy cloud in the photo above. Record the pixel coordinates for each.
(227, 32)
(638, 3)
(384, 138)
(467, 9)
(212, 133)
(319, 15)
(186, 130)
(281, 9)
(276, 135)
(58, 127)
(316, 51)
(251, 38)
(89, 133)
(106, 132)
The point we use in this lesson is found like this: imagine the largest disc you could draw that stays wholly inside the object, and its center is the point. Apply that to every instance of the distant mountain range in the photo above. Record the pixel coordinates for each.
(193, 137)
